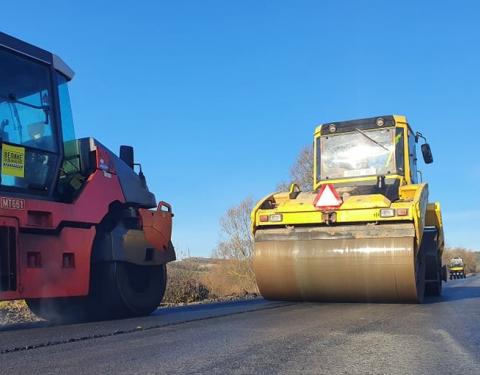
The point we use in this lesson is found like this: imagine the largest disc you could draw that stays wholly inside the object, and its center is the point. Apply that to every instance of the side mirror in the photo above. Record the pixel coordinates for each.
(127, 155)
(427, 153)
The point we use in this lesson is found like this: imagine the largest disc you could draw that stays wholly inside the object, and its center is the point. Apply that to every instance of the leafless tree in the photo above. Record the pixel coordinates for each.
(237, 241)
(237, 244)
(301, 171)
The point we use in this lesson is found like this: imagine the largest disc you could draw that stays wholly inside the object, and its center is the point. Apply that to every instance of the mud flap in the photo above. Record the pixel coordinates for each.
(157, 227)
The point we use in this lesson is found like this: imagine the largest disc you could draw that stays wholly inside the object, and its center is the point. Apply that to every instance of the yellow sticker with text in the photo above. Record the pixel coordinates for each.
(13, 160)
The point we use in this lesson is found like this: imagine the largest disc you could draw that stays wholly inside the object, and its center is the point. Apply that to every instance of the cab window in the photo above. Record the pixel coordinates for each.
(27, 135)
(399, 151)
(412, 155)
(25, 102)
(66, 116)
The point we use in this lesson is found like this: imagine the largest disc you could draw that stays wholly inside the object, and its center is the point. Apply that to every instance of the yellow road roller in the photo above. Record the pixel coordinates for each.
(456, 268)
(366, 233)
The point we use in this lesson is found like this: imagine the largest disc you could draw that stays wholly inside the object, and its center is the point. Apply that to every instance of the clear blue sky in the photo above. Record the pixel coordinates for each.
(219, 96)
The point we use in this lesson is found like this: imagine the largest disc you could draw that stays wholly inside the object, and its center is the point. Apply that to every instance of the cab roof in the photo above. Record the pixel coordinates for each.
(29, 50)
(388, 120)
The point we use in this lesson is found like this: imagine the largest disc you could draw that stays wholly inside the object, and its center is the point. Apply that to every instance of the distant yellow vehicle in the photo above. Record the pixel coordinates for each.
(367, 232)
(456, 268)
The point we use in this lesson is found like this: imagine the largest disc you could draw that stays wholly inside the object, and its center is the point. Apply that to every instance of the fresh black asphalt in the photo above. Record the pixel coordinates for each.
(441, 336)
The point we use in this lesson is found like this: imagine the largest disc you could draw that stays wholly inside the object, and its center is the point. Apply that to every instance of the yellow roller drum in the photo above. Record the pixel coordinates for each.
(353, 263)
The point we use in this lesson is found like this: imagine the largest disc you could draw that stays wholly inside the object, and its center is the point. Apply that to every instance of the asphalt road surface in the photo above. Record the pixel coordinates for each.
(441, 336)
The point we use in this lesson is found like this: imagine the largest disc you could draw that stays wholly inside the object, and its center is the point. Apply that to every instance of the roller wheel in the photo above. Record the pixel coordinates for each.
(59, 310)
(434, 272)
(433, 289)
(420, 268)
(124, 289)
(117, 290)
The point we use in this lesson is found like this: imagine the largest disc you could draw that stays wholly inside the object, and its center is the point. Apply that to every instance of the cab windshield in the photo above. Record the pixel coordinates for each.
(27, 137)
(358, 153)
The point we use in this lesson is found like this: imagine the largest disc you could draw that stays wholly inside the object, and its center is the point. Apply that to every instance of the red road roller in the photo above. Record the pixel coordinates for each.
(81, 235)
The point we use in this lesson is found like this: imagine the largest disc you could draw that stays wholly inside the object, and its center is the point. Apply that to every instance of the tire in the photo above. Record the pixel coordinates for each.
(434, 272)
(59, 310)
(117, 290)
(420, 268)
(124, 289)
(433, 289)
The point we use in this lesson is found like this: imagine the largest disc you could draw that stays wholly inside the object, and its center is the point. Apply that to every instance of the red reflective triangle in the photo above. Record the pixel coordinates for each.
(327, 198)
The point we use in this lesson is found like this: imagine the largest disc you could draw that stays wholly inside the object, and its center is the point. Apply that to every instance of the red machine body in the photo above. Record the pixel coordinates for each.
(84, 229)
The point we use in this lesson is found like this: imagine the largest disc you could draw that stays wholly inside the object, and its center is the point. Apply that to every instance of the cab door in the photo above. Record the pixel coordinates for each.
(28, 135)
(412, 155)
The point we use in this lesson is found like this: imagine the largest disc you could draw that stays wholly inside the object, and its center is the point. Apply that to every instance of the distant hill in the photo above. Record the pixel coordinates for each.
(198, 264)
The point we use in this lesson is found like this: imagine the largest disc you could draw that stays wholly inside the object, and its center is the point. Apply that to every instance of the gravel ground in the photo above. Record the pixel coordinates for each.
(15, 312)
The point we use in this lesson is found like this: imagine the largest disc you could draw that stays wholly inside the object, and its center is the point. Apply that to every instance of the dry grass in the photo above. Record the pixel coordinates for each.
(184, 283)
(15, 312)
(198, 279)
(231, 277)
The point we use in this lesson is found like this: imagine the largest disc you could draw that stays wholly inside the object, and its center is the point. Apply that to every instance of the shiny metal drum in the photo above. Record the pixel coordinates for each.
(370, 263)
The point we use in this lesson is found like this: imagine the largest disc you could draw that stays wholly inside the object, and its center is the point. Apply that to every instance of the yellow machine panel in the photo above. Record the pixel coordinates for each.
(366, 231)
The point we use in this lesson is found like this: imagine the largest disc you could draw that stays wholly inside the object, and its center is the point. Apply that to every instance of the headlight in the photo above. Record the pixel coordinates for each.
(387, 212)
(275, 218)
